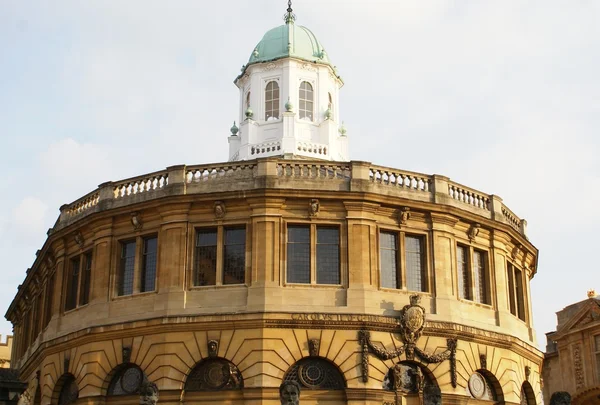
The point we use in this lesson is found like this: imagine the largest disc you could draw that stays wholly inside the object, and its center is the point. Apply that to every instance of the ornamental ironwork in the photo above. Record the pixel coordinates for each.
(412, 322)
(214, 374)
(316, 373)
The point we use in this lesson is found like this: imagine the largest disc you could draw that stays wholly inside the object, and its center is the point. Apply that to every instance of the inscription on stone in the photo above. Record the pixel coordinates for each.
(344, 318)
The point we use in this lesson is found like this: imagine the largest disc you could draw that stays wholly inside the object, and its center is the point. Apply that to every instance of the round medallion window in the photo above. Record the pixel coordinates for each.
(131, 379)
(216, 375)
(312, 374)
(477, 385)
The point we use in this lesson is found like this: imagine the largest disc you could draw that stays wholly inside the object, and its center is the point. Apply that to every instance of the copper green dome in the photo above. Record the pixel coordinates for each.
(289, 40)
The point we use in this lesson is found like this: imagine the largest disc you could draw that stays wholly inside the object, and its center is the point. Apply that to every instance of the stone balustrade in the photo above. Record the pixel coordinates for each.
(316, 149)
(290, 174)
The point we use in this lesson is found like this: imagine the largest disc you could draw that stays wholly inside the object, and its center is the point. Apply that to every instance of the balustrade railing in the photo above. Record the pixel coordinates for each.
(468, 196)
(200, 173)
(312, 148)
(314, 171)
(265, 148)
(400, 179)
(511, 218)
(141, 184)
(83, 204)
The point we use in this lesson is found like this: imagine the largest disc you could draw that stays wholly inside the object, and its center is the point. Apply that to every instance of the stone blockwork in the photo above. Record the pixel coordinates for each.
(78, 318)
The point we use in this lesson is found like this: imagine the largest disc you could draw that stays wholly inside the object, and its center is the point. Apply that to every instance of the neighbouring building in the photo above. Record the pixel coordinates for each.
(364, 284)
(572, 359)
(10, 385)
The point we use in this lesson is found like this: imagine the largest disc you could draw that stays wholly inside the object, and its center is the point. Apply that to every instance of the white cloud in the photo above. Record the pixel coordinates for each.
(29, 217)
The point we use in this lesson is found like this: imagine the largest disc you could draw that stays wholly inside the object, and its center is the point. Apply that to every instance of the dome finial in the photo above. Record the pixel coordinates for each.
(289, 17)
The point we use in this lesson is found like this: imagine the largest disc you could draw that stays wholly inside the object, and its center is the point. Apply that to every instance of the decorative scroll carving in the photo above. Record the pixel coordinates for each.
(403, 215)
(473, 232)
(483, 361)
(148, 393)
(579, 377)
(313, 347)
(219, 209)
(313, 207)
(136, 221)
(126, 354)
(412, 321)
(213, 348)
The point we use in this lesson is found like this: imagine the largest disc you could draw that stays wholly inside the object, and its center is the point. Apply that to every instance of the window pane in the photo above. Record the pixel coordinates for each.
(234, 260)
(72, 284)
(86, 275)
(148, 281)
(205, 266)
(49, 300)
(388, 252)
(464, 283)
(127, 266)
(298, 254)
(511, 289)
(480, 277)
(415, 280)
(328, 255)
(520, 294)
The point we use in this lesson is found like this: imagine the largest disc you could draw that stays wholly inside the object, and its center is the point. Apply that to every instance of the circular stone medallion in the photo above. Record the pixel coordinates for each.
(131, 380)
(477, 385)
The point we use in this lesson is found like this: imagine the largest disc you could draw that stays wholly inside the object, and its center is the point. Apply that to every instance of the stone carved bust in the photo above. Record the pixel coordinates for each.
(289, 393)
(560, 398)
(148, 393)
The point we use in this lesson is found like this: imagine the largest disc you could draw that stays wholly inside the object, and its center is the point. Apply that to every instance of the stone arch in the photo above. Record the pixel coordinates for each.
(124, 379)
(484, 385)
(214, 374)
(413, 381)
(527, 394)
(66, 390)
(316, 373)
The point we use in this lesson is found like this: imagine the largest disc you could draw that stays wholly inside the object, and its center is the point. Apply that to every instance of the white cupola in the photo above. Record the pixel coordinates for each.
(289, 99)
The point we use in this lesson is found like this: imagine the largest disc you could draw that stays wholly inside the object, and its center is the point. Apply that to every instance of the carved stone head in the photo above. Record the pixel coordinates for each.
(560, 398)
(148, 393)
(219, 209)
(313, 207)
(289, 393)
(313, 347)
(213, 348)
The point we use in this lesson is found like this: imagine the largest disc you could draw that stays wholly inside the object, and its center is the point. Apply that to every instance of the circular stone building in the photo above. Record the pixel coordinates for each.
(217, 282)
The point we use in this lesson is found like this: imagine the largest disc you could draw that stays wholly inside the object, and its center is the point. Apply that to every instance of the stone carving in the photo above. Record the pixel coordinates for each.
(591, 316)
(477, 385)
(214, 374)
(483, 361)
(473, 232)
(579, 377)
(307, 66)
(289, 393)
(50, 259)
(148, 393)
(313, 207)
(560, 398)
(404, 215)
(313, 347)
(591, 293)
(219, 209)
(126, 354)
(26, 398)
(412, 321)
(136, 221)
(407, 378)
(271, 66)
(516, 250)
(66, 363)
(213, 348)
(79, 239)
(527, 372)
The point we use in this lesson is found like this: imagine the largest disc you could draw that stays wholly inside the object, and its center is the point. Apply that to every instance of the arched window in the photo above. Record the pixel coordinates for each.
(69, 392)
(306, 101)
(127, 380)
(485, 386)
(271, 101)
(330, 105)
(214, 374)
(247, 101)
(527, 394)
(316, 373)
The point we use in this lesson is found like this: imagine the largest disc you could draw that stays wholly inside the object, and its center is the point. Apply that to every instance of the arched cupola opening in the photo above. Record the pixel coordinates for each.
(66, 390)
(316, 373)
(125, 379)
(483, 385)
(214, 374)
(527, 394)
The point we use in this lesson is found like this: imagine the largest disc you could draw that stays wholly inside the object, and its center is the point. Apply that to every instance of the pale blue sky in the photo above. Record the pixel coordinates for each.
(502, 96)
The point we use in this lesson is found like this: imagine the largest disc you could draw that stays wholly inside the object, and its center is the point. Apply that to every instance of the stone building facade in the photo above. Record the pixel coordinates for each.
(572, 359)
(364, 284)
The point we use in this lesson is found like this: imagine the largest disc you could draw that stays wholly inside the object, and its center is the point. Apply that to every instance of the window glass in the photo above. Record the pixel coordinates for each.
(511, 289)
(49, 300)
(206, 257)
(234, 260)
(328, 255)
(480, 277)
(388, 251)
(298, 254)
(415, 272)
(72, 284)
(520, 294)
(126, 268)
(597, 344)
(305, 109)
(148, 276)
(86, 275)
(271, 101)
(464, 283)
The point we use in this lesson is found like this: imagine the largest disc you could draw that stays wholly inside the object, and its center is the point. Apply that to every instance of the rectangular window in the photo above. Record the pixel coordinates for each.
(324, 241)
(49, 300)
(220, 256)
(86, 274)
(72, 283)
(597, 350)
(402, 261)
(388, 252)
(516, 292)
(480, 277)
(127, 268)
(464, 281)
(148, 273)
